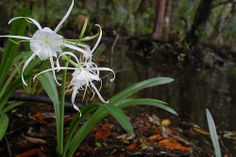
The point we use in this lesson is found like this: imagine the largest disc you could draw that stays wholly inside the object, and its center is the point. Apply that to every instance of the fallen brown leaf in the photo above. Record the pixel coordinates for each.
(154, 137)
(169, 144)
(35, 140)
(31, 152)
(39, 117)
(103, 132)
(132, 147)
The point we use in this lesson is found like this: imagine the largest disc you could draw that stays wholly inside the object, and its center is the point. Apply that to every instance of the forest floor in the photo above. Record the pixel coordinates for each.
(33, 134)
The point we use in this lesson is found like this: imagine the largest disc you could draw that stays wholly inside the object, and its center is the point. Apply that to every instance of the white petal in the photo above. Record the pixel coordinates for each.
(47, 70)
(105, 69)
(53, 70)
(15, 36)
(73, 96)
(28, 18)
(24, 66)
(76, 48)
(65, 17)
(99, 38)
(98, 93)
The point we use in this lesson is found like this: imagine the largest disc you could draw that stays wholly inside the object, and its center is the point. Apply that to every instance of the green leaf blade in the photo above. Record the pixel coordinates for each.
(4, 125)
(139, 86)
(121, 117)
(146, 101)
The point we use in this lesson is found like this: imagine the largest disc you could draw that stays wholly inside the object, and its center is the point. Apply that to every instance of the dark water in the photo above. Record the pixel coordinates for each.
(190, 94)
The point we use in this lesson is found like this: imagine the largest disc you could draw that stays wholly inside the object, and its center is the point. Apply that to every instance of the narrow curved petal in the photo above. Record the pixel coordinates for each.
(24, 66)
(97, 92)
(99, 38)
(73, 96)
(28, 18)
(105, 69)
(53, 70)
(57, 68)
(76, 48)
(65, 17)
(15, 37)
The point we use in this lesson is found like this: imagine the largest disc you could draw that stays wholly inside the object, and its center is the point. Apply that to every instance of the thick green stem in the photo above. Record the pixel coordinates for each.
(60, 126)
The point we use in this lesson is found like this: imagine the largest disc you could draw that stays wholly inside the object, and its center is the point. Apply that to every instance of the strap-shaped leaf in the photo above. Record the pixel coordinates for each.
(4, 125)
(102, 112)
(152, 102)
(11, 107)
(213, 133)
(10, 51)
(49, 86)
(121, 118)
(139, 86)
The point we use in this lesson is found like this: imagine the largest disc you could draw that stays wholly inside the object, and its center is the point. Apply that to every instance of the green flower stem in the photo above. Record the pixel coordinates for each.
(66, 59)
(60, 128)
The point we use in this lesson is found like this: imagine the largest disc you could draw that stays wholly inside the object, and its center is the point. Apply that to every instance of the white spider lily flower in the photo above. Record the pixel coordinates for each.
(83, 77)
(45, 42)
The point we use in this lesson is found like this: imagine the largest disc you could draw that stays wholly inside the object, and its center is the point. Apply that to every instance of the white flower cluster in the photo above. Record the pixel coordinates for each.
(47, 44)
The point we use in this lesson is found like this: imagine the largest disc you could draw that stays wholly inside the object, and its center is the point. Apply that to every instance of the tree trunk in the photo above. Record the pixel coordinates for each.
(200, 19)
(160, 14)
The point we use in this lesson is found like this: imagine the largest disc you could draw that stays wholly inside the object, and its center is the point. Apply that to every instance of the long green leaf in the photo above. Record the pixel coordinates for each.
(4, 125)
(10, 51)
(121, 118)
(151, 102)
(85, 110)
(213, 134)
(101, 113)
(11, 106)
(49, 86)
(139, 86)
(80, 135)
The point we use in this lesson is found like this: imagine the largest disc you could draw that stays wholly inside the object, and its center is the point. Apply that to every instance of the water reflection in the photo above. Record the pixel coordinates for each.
(190, 94)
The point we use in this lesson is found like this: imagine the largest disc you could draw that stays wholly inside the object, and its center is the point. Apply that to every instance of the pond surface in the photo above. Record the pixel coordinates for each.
(190, 94)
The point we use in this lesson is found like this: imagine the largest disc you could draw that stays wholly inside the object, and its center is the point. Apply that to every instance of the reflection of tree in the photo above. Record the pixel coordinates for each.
(232, 93)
